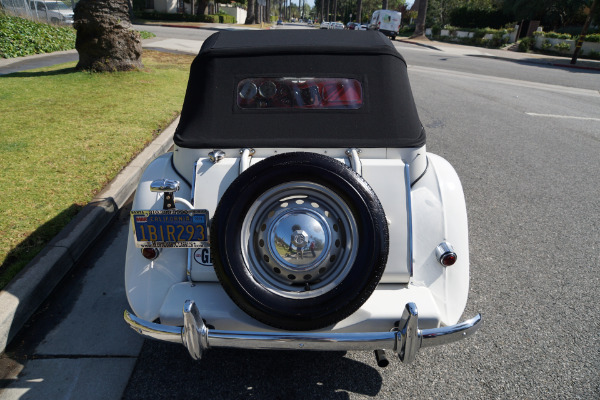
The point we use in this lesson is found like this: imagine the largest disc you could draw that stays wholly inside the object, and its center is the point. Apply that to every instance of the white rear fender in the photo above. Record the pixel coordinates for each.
(147, 282)
(439, 215)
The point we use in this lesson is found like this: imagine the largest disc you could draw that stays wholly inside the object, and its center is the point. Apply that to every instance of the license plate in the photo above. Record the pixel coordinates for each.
(170, 228)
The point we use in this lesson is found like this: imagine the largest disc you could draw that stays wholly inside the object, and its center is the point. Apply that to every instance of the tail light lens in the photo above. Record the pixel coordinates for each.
(150, 253)
(445, 254)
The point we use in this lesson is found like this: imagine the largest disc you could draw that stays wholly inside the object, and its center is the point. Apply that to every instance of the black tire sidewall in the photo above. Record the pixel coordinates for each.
(306, 313)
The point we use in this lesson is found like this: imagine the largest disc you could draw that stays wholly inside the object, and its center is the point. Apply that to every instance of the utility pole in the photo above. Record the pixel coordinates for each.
(583, 32)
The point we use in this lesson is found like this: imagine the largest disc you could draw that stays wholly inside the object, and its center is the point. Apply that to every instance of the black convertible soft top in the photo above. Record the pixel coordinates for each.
(212, 118)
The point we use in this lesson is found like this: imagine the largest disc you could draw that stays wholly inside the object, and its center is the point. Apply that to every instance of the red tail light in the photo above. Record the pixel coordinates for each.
(445, 254)
(150, 253)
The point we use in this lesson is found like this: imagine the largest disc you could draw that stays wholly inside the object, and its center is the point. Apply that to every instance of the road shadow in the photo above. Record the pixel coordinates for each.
(165, 370)
(27, 74)
(416, 43)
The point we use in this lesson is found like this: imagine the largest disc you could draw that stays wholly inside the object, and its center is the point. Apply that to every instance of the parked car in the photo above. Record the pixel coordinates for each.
(55, 12)
(279, 22)
(345, 236)
(336, 25)
(351, 25)
(387, 22)
(325, 25)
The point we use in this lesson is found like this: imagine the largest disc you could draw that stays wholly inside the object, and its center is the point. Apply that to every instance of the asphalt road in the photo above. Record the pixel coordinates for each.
(526, 148)
(527, 154)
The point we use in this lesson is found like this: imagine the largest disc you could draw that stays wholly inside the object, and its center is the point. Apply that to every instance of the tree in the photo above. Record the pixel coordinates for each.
(201, 6)
(250, 17)
(105, 38)
(359, 11)
(420, 23)
(552, 13)
(586, 25)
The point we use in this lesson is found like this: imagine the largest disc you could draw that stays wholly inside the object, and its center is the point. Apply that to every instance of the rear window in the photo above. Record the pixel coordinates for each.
(299, 93)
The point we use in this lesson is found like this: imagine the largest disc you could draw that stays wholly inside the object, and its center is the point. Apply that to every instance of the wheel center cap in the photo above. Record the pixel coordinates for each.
(299, 239)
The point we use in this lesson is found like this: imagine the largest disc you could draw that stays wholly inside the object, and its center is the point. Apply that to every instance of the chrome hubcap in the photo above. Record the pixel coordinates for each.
(299, 239)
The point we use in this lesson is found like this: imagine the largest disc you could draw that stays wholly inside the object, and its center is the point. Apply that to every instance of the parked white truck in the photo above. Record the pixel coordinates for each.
(387, 22)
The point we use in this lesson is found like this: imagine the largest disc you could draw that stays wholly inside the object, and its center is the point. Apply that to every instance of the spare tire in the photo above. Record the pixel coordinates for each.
(299, 240)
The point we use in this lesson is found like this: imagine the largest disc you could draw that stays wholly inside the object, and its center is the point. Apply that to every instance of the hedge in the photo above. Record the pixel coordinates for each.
(22, 37)
(158, 16)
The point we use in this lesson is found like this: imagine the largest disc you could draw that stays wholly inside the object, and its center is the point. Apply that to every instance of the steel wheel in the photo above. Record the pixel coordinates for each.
(279, 229)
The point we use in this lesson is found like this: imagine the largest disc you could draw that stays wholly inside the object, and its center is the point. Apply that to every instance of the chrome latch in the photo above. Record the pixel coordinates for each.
(168, 187)
(245, 158)
(355, 159)
(216, 155)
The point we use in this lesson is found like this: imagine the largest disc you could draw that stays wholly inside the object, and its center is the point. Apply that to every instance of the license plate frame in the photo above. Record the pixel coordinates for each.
(170, 228)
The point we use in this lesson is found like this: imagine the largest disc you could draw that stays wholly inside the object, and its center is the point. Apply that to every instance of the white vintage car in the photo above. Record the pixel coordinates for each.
(299, 208)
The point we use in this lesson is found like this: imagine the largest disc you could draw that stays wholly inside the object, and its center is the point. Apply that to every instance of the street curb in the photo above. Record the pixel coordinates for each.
(30, 287)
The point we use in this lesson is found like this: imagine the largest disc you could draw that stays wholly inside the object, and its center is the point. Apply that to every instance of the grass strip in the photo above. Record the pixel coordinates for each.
(65, 134)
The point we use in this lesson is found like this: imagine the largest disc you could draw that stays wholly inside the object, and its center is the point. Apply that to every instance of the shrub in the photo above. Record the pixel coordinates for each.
(146, 34)
(546, 45)
(226, 18)
(562, 47)
(526, 44)
(22, 37)
(593, 38)
(158, 16)
(594, 55)
(554, 35)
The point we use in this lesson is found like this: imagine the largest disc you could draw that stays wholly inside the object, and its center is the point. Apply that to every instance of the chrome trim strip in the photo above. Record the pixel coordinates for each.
(245, 158)
(193, 186)
(188, 269)
(409, 218)
(353, 156)
(406, 339)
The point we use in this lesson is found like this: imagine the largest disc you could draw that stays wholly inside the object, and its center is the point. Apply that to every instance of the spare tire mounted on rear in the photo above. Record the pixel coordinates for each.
(299, 240)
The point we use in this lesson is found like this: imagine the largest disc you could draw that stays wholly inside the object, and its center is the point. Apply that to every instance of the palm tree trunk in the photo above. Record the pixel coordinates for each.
(250, 18)
(420, 23)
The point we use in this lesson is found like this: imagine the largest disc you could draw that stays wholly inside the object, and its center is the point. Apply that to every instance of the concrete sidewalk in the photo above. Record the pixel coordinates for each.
(514, 56)
(18, 64)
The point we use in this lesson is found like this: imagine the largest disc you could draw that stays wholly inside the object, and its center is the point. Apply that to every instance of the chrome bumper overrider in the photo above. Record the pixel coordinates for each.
(405, 338)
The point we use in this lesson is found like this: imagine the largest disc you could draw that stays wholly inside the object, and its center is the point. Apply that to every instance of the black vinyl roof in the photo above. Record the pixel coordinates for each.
(297, 42)
(211, 118)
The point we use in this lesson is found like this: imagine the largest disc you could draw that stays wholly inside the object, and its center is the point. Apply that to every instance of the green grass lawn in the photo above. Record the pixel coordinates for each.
(64, 134)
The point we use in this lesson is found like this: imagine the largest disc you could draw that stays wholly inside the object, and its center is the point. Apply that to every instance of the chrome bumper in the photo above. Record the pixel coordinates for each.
(405, 339)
